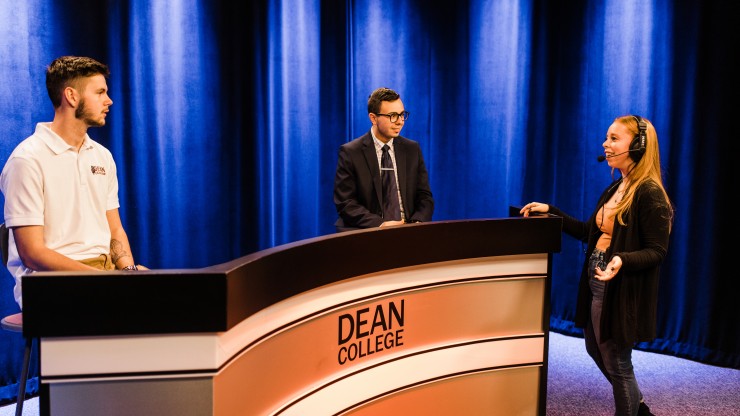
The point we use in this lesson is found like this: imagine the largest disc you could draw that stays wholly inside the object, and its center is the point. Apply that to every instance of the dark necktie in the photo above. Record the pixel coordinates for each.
(391, 207)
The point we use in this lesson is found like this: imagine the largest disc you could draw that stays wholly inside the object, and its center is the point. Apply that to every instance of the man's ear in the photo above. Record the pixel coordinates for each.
(373, 118)
(71, 96)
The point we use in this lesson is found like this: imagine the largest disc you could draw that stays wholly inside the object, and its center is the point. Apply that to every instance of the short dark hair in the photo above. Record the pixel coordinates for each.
(378, 96)
(64, 71)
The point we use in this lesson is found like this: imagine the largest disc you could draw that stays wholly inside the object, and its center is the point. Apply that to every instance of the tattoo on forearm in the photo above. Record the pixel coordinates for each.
(116, 251)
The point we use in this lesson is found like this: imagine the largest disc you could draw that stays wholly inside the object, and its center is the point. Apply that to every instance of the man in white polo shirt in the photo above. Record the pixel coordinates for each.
(60, 186)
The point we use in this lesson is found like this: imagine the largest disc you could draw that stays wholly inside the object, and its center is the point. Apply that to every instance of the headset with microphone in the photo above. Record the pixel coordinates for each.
(637, 146)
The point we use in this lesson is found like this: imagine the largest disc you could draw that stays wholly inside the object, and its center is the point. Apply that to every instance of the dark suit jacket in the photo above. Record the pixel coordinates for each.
(358, 190)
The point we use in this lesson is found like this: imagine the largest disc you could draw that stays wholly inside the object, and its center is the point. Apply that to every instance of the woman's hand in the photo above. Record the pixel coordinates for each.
(534, 207)
(611, 269)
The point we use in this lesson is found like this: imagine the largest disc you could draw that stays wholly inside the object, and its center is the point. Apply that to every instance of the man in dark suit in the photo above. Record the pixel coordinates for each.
(363, 177)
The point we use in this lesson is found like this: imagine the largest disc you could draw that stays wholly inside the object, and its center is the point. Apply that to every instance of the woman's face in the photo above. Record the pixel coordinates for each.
(617, 146)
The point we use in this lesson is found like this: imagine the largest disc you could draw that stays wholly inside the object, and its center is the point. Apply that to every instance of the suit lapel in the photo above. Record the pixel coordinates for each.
(368, 149)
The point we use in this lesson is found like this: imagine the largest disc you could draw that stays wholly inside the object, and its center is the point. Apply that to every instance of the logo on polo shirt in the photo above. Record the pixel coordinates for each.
(97, 170)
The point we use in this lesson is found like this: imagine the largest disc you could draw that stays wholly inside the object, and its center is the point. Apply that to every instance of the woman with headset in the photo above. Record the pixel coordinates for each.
(627, 236)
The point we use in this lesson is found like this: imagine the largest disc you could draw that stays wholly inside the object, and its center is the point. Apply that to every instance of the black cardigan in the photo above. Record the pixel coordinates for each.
(631, 298)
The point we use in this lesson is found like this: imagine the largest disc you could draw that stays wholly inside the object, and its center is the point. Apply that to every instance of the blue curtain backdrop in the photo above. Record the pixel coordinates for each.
(227, 119)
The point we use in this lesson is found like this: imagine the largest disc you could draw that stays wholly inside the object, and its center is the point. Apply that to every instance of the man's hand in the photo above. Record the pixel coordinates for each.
(391, 223)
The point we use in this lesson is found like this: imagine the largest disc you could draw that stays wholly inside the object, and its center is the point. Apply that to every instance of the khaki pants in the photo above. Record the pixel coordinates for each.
(102, 262)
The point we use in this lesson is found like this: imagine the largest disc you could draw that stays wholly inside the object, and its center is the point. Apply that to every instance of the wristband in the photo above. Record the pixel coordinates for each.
(131, 268)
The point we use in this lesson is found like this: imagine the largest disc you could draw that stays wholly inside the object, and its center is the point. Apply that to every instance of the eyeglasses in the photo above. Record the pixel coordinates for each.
(393, 117)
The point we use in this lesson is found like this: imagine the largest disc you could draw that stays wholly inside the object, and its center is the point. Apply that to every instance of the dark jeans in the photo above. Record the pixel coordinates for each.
(614, 361)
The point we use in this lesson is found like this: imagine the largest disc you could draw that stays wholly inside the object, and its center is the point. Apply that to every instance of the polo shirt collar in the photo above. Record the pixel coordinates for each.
(55, 142)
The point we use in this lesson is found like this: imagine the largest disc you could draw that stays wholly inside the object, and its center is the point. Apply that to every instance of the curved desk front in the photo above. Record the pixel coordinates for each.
(437, 319)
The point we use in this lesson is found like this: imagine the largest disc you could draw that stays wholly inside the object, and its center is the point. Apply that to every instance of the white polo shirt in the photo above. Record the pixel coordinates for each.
(47, 182)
